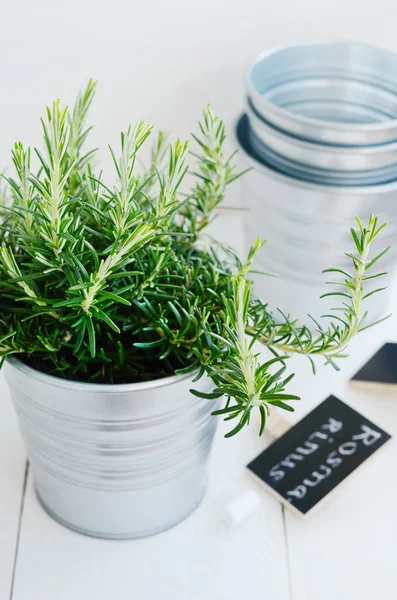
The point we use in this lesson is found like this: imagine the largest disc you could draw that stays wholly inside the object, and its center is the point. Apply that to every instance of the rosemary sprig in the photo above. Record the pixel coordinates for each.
(240, 376)
(243, 379)
(52, 204)
(330, 342)
(214, 173)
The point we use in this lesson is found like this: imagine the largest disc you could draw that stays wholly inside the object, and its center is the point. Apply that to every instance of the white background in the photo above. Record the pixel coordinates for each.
(164, 61)
(161, 60)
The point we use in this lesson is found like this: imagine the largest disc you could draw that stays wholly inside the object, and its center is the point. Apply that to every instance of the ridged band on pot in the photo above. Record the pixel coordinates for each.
(316, 175)
(114, 461)
(307, 225)
(363, 160)
(343, 93)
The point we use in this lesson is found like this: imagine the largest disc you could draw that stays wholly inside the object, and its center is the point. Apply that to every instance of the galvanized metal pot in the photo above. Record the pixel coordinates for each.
(114, 461)
(343, 93)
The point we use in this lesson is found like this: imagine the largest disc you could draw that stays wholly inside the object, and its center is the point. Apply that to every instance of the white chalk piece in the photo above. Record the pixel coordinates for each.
(241, 508)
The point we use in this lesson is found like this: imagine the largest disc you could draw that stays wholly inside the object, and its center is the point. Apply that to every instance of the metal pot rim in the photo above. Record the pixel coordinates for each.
(311, 121)
(317, 187)
(59, 382)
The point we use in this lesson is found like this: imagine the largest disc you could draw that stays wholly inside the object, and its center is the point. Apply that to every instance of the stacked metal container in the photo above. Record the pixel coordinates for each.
(320, 133)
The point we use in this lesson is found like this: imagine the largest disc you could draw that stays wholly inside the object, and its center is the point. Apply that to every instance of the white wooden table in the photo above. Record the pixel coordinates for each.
(346, 550)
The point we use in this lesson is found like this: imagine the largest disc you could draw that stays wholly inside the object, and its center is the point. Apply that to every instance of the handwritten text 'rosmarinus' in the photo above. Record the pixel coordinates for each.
(366, 436)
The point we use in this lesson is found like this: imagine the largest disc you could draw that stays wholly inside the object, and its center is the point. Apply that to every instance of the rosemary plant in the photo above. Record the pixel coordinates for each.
(112, 283)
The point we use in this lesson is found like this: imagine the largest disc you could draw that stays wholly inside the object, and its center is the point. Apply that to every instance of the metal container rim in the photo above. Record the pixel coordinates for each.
(84, 386)
(317, 187)
(311, 121)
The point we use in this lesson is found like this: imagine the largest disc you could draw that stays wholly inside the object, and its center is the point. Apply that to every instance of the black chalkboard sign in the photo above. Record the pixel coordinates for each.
(380, 370)
(317, 454)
